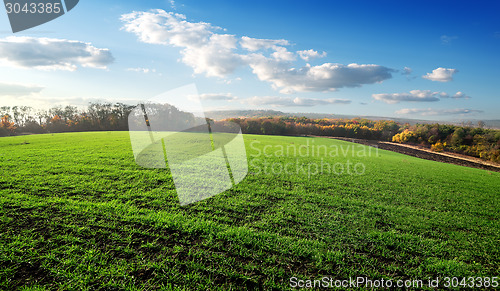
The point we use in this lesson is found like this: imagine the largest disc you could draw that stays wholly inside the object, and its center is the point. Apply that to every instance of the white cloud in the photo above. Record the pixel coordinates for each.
(322, 78)
(202, 49)
(217, 55)
(315, 102)
(17, 90)
(407, 71)
(255, 44)
(277, 101)
(441, 75)
(282, 54)
(308, 55)
(160, 27)
(218, 96)
(413, 96)
(460, 95)
(51, 54)
(446, 39)
(216, 58)
(417, 96)
(141, 70)
(430, 111)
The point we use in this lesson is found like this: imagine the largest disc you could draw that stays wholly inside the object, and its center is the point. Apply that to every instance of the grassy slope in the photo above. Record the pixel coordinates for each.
(76, 212)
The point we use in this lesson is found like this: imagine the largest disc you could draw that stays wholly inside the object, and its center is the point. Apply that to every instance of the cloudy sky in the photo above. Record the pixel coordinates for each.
(385, 58)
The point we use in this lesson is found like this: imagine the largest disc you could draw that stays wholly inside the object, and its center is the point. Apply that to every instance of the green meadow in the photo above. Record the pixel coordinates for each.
(77, 213)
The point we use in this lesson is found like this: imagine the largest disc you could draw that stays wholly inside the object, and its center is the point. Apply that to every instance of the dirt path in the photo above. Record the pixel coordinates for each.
(427, 154)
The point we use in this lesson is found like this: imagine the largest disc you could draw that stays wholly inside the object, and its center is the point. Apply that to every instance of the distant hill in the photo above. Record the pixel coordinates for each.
(492, 123)
(224, 114)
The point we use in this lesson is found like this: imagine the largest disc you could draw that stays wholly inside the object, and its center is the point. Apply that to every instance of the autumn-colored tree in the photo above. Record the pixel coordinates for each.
(56, 119)
(404, 137)
(6, 127)
(438, 147)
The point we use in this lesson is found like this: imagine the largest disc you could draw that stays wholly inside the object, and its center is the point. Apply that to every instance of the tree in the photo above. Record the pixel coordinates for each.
(458, 137)
(4, 110)
(253, 127)
(69, 113)
(267, 127)
(6, 127)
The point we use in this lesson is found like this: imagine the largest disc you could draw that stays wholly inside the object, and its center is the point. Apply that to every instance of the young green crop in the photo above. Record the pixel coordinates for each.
(76, 212)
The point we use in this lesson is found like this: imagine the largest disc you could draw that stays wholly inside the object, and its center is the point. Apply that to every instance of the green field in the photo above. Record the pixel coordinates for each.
(77, 213)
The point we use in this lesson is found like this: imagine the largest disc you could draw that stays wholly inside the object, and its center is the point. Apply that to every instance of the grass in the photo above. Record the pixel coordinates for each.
(76, 212)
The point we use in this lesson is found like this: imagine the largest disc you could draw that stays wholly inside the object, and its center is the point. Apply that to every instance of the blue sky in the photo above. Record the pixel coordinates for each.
(419, 59)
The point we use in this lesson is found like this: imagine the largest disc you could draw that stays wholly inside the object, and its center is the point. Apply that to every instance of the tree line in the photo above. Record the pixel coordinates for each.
(353, 128)
(473, 141)
(96, 117)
